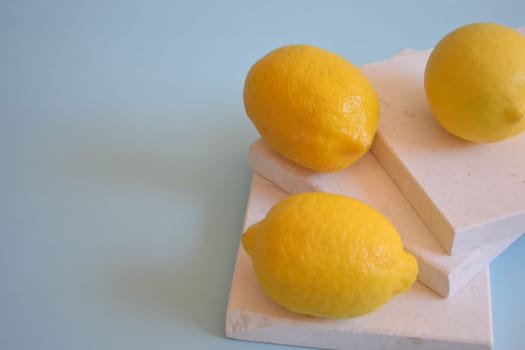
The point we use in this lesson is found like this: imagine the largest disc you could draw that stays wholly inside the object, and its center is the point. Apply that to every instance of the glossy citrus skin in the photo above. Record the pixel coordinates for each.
(328, 255)
(313, 106)
(475, 82)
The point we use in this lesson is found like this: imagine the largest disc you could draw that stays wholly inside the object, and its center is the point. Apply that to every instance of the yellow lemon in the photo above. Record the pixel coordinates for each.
(313, 106)
(328, 255)
(475, 82)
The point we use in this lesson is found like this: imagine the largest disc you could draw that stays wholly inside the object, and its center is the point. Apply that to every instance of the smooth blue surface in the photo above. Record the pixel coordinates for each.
(123, 154)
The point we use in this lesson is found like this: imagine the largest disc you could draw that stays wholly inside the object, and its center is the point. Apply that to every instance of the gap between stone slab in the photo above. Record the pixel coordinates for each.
(366, 180)
(413, 320)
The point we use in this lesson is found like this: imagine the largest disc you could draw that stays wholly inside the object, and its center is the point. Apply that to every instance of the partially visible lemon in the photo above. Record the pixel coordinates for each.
(475, 82)
(328, 255)
(313, 106)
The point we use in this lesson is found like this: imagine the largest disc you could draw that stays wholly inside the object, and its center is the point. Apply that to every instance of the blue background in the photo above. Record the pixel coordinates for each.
(123, 155)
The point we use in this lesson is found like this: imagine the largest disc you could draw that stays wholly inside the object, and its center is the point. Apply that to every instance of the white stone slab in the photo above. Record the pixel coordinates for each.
(367, 181)
(416, 320)
(468, 194)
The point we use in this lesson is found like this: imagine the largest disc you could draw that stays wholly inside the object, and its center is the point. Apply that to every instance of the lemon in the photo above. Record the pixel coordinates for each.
(475, 82)
(328, 255)
(313, 106)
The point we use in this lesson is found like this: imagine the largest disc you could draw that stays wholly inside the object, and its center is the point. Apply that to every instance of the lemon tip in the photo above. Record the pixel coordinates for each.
(248, 239)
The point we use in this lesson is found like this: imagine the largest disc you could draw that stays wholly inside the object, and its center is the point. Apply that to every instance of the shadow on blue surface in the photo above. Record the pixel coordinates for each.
(210, 172)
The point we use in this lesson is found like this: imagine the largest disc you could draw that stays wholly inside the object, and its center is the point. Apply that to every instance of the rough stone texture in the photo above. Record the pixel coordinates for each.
(418, 319)
(467, 194)
(367, 181)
